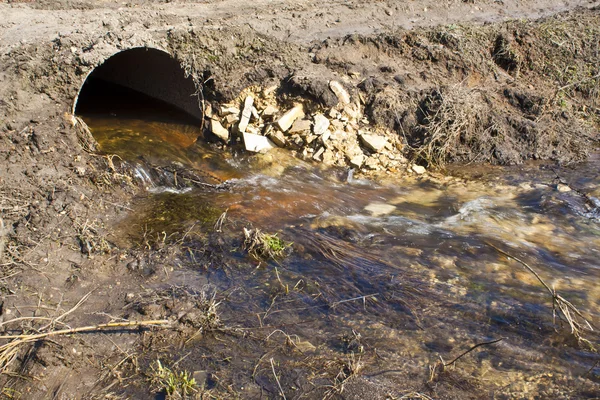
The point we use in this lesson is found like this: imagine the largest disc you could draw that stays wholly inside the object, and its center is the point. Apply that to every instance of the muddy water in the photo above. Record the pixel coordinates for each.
(399, 273)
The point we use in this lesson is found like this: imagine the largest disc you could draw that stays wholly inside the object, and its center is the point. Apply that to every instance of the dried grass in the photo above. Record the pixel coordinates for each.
(457, 124)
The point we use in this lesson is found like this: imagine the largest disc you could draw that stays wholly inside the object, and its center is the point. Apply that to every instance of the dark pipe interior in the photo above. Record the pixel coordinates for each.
(138, 79)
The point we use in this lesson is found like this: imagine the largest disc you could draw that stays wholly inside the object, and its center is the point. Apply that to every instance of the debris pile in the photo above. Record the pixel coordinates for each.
(338, 136)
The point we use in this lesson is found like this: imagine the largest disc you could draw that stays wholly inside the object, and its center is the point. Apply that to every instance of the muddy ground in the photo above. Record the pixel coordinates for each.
(528, 78)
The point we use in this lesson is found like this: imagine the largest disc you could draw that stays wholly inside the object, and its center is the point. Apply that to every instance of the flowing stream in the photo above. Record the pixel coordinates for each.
(406, 269)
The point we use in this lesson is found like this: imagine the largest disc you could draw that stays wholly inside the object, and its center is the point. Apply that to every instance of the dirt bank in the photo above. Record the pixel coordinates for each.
(502, 93)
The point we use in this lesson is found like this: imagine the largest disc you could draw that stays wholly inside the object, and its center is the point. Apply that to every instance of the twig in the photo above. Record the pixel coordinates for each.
(219, 224)
(523, 263)
(79, 303)
(567, 309)
(129, 324)
(470, 350)
(277, 379)
(2, 240)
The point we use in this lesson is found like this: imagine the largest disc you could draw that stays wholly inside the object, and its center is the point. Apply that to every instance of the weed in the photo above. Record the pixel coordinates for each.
(90, 241)
(175, 384)
(263, 246)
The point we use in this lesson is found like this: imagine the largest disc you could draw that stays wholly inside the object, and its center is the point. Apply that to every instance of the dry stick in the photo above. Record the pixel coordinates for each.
(470, 350)
(2, 240)
(29, 338)
(565, 306)
(277, 380)
(57, 319)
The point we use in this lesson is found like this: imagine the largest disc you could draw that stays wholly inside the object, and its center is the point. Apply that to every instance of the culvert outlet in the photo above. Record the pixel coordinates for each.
(121, 78)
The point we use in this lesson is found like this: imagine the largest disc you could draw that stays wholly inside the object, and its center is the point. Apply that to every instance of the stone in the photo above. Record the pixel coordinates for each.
(317, 155)
(246, 114)
(301, 125)
(561, 187)
(310, 138)
(352, 111)
(257, 143)
(372, 163)
(374, 143)
(357, 161)
(418, 169)
(328, 157)
(278, 138)
(270, 111)
(286, 121)
(255, 116)
(380, 209)
(231, 119)
(337, 124)
(217, 129)
(208, 111)
(340, 92)
(321, 124)
(229, 110)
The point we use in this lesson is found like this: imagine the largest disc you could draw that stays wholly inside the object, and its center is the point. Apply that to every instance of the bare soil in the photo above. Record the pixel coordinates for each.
(485, 81)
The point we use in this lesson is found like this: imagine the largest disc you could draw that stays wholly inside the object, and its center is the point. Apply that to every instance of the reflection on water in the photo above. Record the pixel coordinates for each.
(407, 265)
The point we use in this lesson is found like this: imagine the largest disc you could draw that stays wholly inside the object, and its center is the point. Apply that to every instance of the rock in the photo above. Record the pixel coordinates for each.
(561, 187)
(286, 121)
(229, 110)
(270, 111)
(372, 163)
(297, 140)
(357, 161)
(301, 125)
(255, 116)
(278, 138)
(217, 129)
(317, 155)
(231, 119)
(246, 114)
(208, 111)
(321, 124)
(380, 209)
(340, 92)
(352, 111)
(374, 143)
(257, 143)
(328, 157)
(325, 136)
(337, 124)
(418, 169)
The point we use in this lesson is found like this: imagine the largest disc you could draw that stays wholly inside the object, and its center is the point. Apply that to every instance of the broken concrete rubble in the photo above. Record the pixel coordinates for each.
(301, 125)
(375, 143)
(219, 131)
(286, 121)
(321, 124)
(257, 143)
(246, 114)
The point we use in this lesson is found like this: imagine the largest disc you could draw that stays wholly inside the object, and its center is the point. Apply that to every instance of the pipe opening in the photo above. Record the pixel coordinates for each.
(140, 79)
